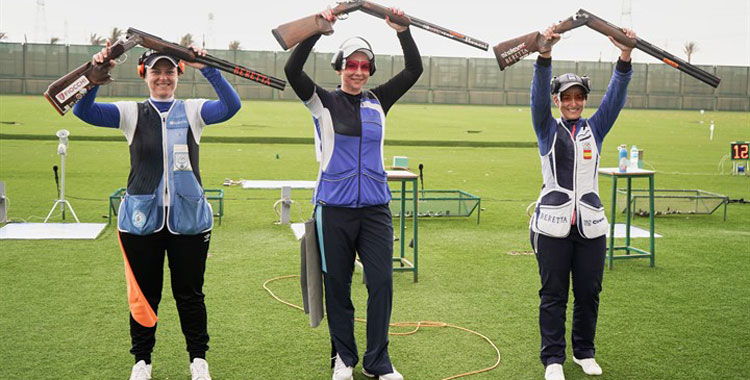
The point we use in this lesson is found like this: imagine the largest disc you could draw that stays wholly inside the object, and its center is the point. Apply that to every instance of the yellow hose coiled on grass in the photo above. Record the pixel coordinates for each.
(415, 325)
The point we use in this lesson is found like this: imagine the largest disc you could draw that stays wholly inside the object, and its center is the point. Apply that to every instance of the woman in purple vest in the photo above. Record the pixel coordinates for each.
(352, 194)
(568, 226)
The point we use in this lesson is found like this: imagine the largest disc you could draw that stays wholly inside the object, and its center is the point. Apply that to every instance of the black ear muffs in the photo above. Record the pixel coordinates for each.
(338, 62)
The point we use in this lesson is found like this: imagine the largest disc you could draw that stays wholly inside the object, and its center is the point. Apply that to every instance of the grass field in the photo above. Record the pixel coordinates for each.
(64, 309)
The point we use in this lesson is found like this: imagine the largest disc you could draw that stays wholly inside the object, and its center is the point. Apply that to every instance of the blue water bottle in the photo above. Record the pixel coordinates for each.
(623, 158)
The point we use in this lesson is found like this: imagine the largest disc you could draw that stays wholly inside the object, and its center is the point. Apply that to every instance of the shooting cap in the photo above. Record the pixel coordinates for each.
(354, 45)
(149, 58)
(349, 47)
(566, 81)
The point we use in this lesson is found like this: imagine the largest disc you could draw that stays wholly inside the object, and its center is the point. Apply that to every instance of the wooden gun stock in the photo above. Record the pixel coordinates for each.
(68, 90)
(616, 32)
(512, 51)
(157, 44)
(290, 34)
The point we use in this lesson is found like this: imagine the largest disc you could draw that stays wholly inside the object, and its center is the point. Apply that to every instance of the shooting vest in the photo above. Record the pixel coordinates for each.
(351, 167)
(164, 182)
(570, 194)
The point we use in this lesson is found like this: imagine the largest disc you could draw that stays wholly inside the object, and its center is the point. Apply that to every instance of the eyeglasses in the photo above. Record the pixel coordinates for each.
(353, 65)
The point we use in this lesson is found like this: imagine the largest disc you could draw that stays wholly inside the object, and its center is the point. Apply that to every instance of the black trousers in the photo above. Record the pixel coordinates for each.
(368, 232)
(558, 259)
(187, 264)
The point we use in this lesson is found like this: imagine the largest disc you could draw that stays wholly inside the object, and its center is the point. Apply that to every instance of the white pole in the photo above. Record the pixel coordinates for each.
(62, 186)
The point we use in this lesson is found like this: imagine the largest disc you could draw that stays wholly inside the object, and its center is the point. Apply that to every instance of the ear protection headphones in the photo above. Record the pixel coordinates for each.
(558, 82)
(144, 57)
(338, 62)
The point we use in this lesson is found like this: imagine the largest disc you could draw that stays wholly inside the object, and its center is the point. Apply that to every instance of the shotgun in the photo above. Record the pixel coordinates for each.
(512, 51)
(616, 32)
(294, 32)
(68, 90)
(157, 44)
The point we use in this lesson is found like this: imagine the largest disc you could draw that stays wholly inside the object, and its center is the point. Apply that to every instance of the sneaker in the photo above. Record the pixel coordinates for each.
(589, 366)
(199, 369)
(341, 371)
(141, 371)
(554, 372)
(395, 375)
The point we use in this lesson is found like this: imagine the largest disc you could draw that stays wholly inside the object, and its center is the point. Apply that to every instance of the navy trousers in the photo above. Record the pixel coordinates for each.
(368, 232)
(558, 259)
(187, 264)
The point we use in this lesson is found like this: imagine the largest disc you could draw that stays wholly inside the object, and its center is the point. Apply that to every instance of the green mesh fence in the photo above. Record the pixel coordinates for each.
(438, 203)
(670, 201)
(30, 68)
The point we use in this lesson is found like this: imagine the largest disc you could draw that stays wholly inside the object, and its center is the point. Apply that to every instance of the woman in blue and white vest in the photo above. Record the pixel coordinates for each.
(164, 208)
(568, 226)
(352, 194)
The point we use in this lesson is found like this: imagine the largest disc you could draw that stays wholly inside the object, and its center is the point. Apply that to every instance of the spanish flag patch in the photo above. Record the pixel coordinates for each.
(587, 154)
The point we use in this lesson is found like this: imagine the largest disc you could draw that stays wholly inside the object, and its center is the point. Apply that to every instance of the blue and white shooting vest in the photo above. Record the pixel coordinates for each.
(164, 185)
(571, 185)
(351, 167)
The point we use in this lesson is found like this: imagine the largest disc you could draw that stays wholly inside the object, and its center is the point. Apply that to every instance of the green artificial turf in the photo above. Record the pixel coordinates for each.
(64, 313)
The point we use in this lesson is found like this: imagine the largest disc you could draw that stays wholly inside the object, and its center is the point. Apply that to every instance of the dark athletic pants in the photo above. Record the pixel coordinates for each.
(187, 264)
(369, 232)
(558, 258)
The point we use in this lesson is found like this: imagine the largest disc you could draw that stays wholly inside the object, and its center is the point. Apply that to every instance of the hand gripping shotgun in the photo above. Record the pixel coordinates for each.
(66, 91)
(670, 59)
(294, 32)
(512, 51)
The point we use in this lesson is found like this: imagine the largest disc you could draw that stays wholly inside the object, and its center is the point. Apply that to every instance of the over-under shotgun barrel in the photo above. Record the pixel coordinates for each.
(155, 43)
(609, 29)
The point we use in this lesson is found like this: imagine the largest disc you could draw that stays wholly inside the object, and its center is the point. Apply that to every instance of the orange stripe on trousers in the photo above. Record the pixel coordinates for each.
(139, 307)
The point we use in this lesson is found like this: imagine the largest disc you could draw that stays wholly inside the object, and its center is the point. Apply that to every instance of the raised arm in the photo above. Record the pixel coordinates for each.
(392, 90)
(217, 111)
(541, 112)
(98, 114)
(302, 85)
(614, 99)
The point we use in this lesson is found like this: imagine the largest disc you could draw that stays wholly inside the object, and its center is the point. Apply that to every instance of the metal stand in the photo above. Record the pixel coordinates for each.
(630, 251)
(62, 150)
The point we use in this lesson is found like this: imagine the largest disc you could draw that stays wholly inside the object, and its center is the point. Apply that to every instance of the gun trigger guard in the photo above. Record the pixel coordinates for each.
(342, 16)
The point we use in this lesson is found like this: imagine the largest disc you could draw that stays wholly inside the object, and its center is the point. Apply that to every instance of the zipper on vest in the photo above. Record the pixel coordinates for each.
(575, 177)
(165, 159)
(359, 167)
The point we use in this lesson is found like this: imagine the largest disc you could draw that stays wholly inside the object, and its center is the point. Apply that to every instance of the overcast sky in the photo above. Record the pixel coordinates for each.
(721, 28)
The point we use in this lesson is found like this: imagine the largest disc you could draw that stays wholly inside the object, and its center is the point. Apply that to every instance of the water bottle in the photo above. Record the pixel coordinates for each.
(634, 157)
(623, 158)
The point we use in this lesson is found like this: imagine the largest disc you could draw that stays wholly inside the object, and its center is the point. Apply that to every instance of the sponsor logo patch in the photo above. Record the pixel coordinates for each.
(72, 90)
(552, 218)
(139, 219)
